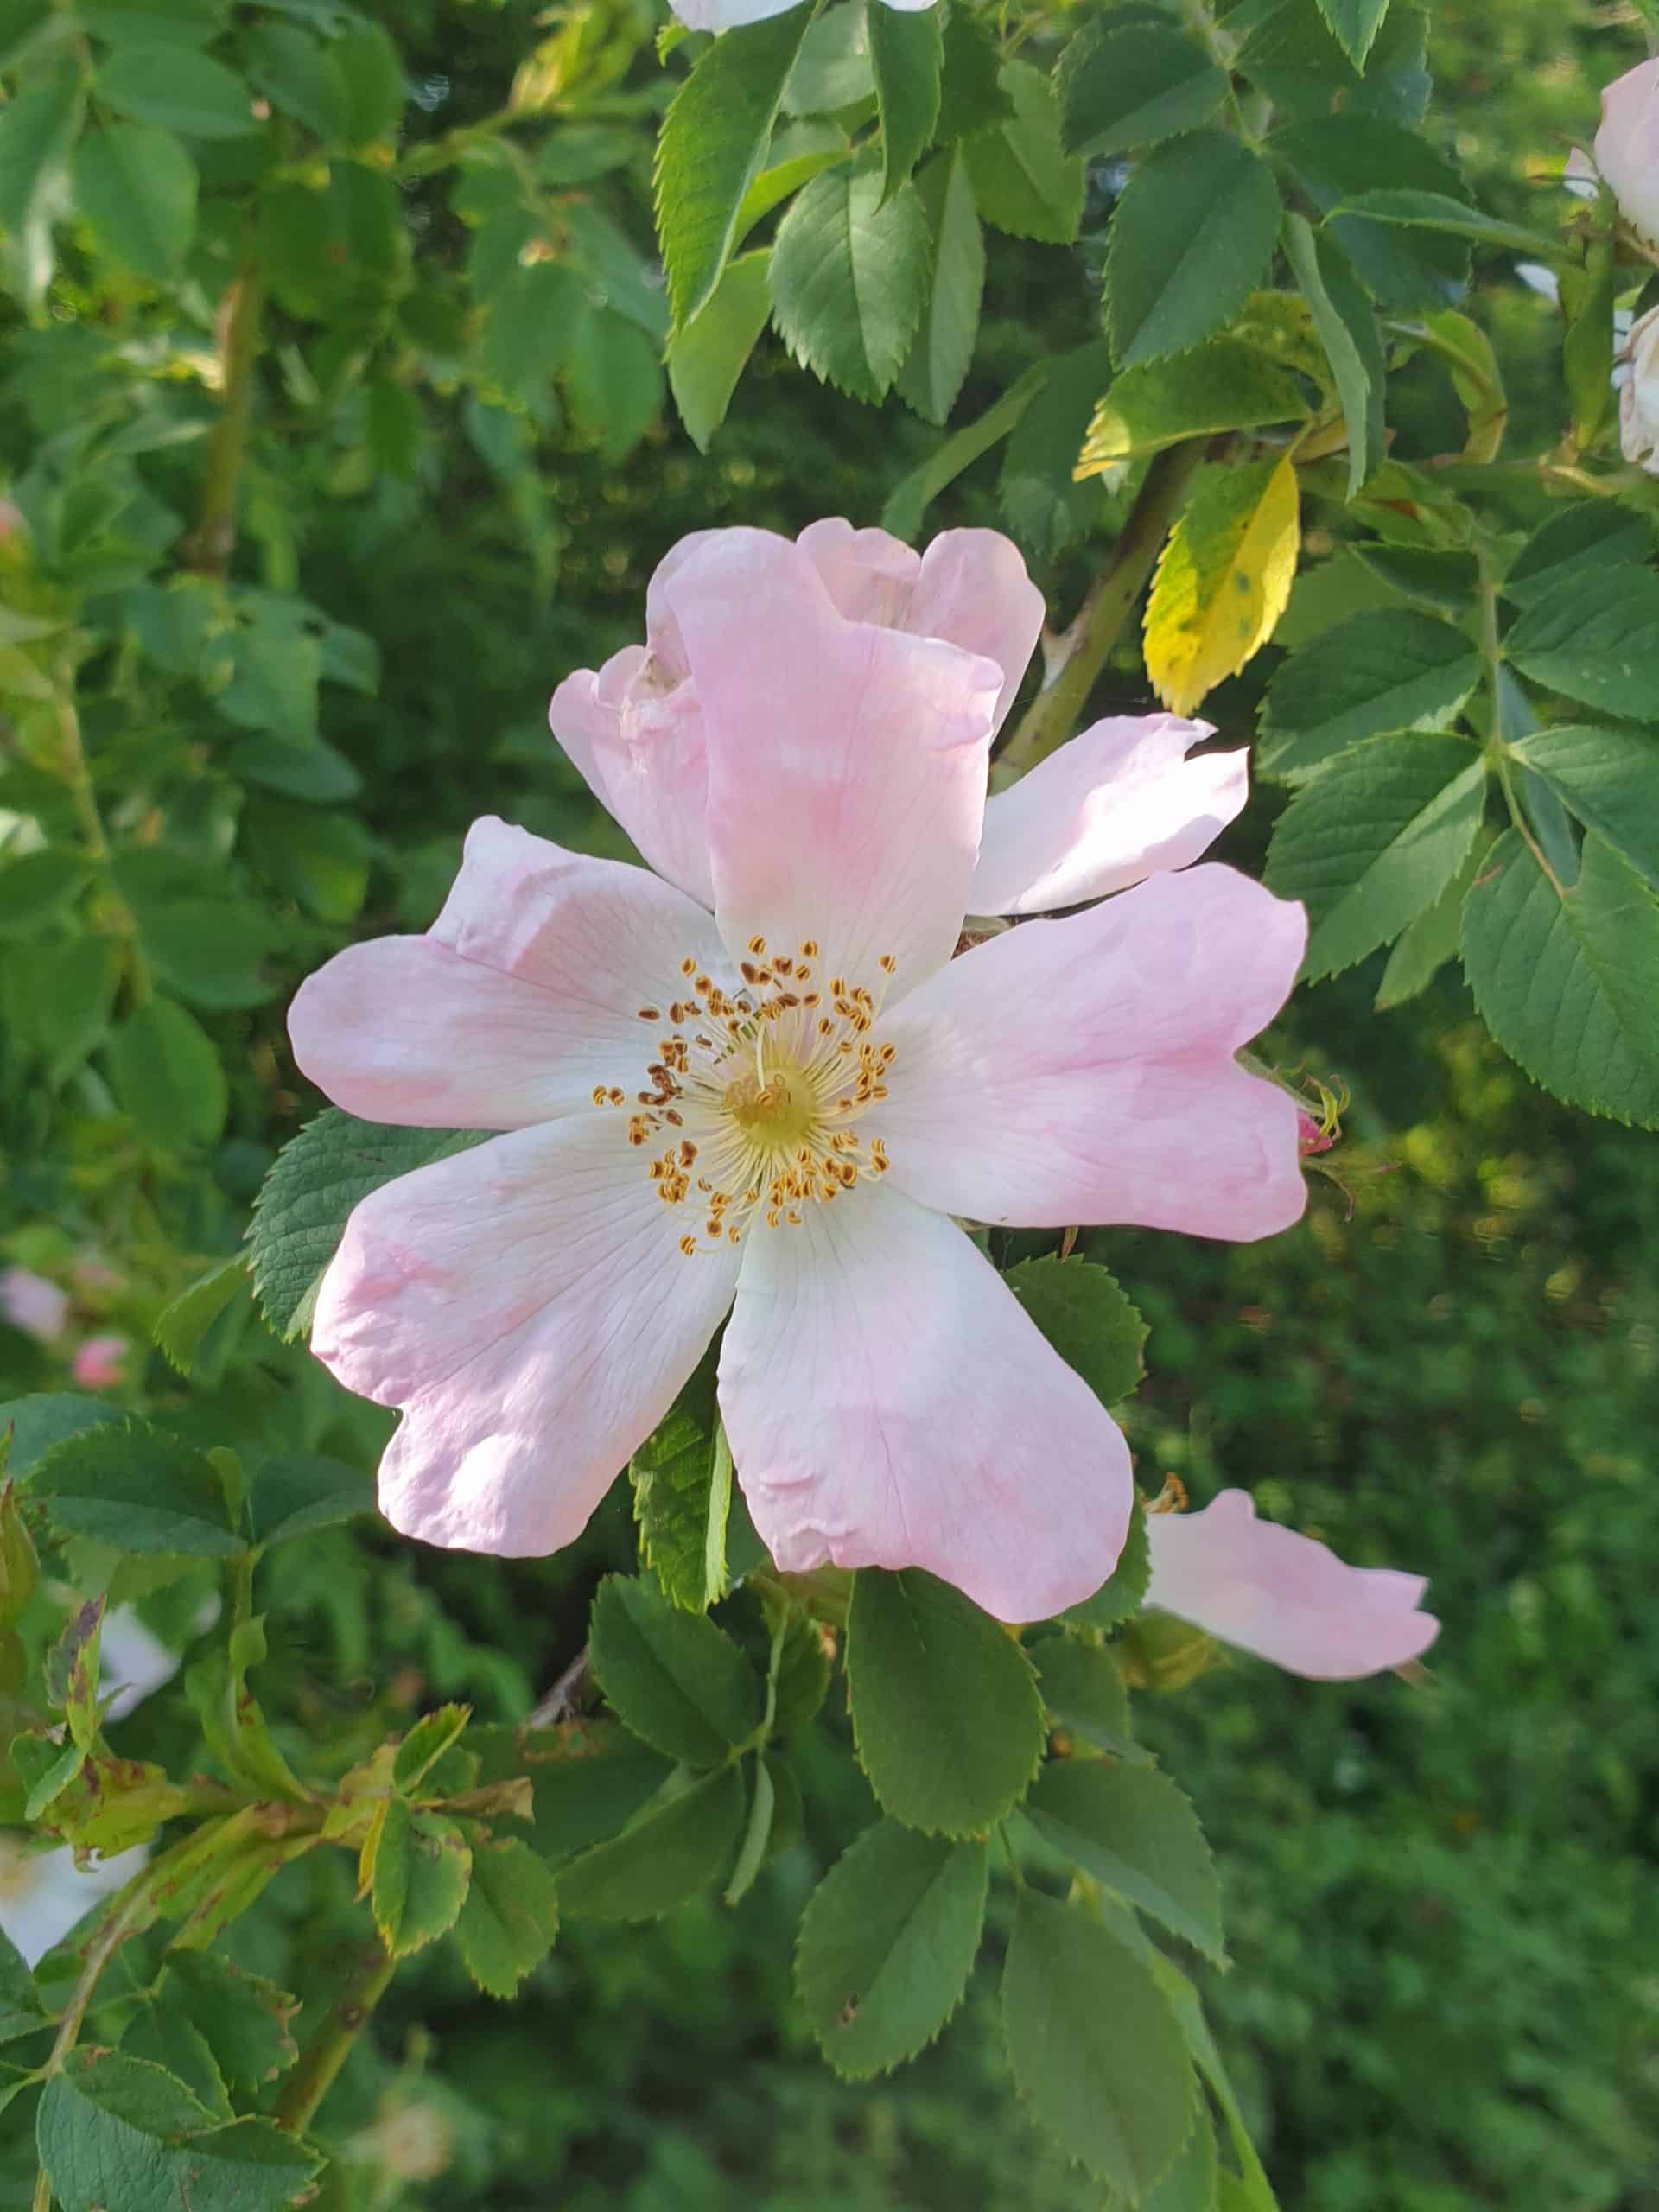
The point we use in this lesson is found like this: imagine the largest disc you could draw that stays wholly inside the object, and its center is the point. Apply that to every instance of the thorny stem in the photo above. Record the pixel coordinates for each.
(1080, 653)
(315, 2075)
(214, 538)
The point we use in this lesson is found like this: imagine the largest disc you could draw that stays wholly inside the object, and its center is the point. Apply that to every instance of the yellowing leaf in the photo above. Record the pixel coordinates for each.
(1222, 580)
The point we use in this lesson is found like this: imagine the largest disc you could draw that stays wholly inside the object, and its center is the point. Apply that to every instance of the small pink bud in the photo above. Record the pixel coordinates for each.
(1311, 1136)
(32, 1304)
(100, 1363)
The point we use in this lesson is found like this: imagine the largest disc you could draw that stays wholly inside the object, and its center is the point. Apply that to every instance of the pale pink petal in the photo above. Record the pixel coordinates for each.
(100, 1363)
(32, 1304)
(1082, 1071)
(870, 574)
(1284, 1596)
(974, 592)
(635, 732)
(1119, 803)
(527, 992)
(1580, 176)
(847, 764)
(527, 1306)
(889, 1404)
(1627, 145)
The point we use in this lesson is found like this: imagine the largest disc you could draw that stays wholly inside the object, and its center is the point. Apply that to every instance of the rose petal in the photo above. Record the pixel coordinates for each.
(1284, 1596)
(974, 592)
(635, 731)
(1083, 1071)
(870, 575)
(43, 1894)
(890, 1405)
(526, 994)
(847, 764)
(1116, 805)
(1627, 145)
(525, 1303)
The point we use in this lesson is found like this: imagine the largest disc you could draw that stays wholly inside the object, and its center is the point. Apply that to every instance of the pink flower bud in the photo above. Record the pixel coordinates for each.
(32, 1304)
(100, 1363)
(1627, 146)
(1312, 1137)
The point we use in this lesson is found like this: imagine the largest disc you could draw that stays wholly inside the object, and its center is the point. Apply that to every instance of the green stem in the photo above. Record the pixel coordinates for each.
(1491, 653)
(214, 538)
(1082, 648)
(78, 775)
(313, 2078)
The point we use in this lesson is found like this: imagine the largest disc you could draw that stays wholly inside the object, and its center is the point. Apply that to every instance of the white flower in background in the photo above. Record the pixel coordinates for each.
(43, 1894)
(1627, 146)
(32, 1304)
(1636, 380)
(726, 15)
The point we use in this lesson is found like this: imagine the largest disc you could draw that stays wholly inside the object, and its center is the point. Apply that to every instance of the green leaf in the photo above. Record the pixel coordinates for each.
(289, 67)
(972, 95)
(297, 1493)
(135, 190)
(61, 998)
(37, 1422)
(1045, 505)
(1335, 158)
(301, 1213)
(1291, 56)
(1083, 1313)
(35, 888)
(676, 1845)
(1224, 385)
(1372, 842)
(185, 1320)
(21, 2008)
(176, 90)
(1193, 237)
(847, 278)
(117, 2130)
(587, 1795)
(754, 1849)
(245, 2019)
(137, 1488)
(1425, 945)
(210, 951)
(1588, 294)
(1124, 1589)
(673, 1678)
(372, 83)
(908, 55)
(1131, 1828)
(1355, 24)
(335, 250)
(1609, 779)
(167, 1076)
(1564, 980)
(804, 1675)
(422, 1870)
(166, 2039)
(681, 1477)
(1085, 1695)
(1595, 639)
(1347, 325)
(888, 1943)
(798, 153)
(1365, 678)
(433, 1735)
(1438, 211)
(1124, 81)
(946, 1716)
(1024, 181)
(507, 1925)
(1589, 538)
(712, 147)
(937, 365)
(911, 498)
(37, 127)
(1095, 2046)
(834, 69)
(706, 355)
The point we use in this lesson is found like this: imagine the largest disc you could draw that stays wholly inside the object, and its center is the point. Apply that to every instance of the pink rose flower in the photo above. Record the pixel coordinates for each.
(763, 1087)
(1627, 146)
(1636, 377)
(1283, 1596)
(100, 1363)
(32, 1304)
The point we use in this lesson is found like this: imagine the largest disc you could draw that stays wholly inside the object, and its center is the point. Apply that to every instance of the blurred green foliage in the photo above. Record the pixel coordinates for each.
(1441, 1895)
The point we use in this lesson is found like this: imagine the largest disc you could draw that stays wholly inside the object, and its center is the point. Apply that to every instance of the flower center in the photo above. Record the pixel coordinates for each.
(753, 1093)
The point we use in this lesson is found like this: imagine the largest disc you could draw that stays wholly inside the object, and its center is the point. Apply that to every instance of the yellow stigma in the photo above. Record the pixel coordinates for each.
(752, 1093)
